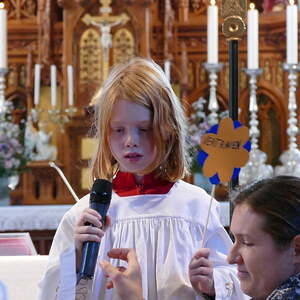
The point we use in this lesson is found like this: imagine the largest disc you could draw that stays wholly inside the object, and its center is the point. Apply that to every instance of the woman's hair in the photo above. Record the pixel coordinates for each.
(143, 82)
(277, 200)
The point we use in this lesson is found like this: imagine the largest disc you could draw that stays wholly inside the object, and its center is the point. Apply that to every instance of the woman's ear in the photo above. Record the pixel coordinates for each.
(296, 242)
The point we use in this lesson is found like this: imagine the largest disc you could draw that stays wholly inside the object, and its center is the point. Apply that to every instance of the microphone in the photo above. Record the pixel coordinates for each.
(99, 200)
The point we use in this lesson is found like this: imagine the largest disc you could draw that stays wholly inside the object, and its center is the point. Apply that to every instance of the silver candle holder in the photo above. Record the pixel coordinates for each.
(62, 117)
(253, 109)
(290, 158)
(213, 106)
(256, 167)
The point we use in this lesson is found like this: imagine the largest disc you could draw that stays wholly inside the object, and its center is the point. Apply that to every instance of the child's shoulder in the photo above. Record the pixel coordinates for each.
(191, 189)
(79, 206)
(193, 200)
(191, 193)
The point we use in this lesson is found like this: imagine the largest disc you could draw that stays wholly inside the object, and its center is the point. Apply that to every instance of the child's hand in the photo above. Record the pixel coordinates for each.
(126, 281)
(84, 233)
(201, 273)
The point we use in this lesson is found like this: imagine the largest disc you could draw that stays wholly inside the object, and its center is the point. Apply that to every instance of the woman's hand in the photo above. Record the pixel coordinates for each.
(127, 282)
(201, 273)
(89, 227)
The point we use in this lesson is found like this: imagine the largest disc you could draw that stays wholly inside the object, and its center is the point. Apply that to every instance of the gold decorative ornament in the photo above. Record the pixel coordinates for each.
(234, 14)
(123, 46)
(105, 22)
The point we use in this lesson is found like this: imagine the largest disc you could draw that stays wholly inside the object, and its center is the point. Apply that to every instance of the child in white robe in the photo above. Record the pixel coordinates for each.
(141, 133)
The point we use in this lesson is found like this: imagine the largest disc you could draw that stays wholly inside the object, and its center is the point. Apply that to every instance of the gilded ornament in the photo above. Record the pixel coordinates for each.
(234, 13)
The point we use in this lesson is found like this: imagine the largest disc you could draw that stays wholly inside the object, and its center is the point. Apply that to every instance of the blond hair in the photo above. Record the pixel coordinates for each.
(143, 82)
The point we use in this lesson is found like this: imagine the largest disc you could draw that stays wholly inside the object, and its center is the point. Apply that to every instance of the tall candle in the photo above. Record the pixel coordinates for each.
(252, 38)
(292, 33)
(3, 36)
(53, 85)
(70, 85)
(37, 82)
(167, 69)
(212, 33)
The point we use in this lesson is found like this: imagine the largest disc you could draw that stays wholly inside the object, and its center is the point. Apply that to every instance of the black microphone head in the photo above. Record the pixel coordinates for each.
(101, 191)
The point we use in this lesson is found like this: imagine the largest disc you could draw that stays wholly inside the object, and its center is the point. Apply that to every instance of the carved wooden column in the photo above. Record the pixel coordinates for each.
(71, 14)
(29, 78)
(184, 74)
(143, 24)
(45, 31)
(169, 44)
(183, 10)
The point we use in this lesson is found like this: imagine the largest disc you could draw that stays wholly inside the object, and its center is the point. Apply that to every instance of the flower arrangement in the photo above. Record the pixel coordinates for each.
(197, 126)
(12, 153)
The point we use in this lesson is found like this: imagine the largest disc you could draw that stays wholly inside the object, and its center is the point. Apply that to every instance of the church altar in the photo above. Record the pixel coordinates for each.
(41, 221)
(47, 217)
(31, 217)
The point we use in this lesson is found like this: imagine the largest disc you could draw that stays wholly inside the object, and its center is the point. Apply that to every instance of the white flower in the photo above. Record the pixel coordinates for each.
(197, 124)
(11, 150)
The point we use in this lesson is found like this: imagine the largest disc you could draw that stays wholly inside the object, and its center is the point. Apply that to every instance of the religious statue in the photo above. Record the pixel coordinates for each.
(37, 142)
(105, 29)
(105, 22)
(44, 151)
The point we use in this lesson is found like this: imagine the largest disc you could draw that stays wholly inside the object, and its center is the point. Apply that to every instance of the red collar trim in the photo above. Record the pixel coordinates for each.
(124, 185)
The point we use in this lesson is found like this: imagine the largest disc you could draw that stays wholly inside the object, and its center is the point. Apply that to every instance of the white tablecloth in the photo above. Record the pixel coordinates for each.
(31, 217)
(21, 274)
(47, 217)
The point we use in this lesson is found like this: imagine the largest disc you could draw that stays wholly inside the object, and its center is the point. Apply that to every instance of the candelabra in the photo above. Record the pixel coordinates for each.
(60, 117)
(213, 69)
(256, 168)
(3, 72)
(290, 158)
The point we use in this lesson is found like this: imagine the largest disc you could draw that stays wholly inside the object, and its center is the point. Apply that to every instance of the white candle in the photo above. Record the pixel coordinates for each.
(3, 36)
(252, 37)
(292, 33)
(70, 85)
(37, 82)
(212, 33)
(53, 85)
(167, 69)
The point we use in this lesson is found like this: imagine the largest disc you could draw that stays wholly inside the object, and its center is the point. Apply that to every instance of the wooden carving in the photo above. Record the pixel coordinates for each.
(158, 29)
(45, 31)
(198, 6)
(21, 9)
(169, 19)
(123, 46)
(90, 58)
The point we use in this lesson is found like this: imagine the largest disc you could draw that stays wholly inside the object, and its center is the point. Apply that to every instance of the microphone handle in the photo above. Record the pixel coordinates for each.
(90, 249)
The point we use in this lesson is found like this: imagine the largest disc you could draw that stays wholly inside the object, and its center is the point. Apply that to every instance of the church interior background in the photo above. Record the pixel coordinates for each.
(84, 39)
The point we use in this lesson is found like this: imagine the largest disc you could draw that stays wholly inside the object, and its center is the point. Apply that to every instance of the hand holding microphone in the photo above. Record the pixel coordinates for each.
(88, 238)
